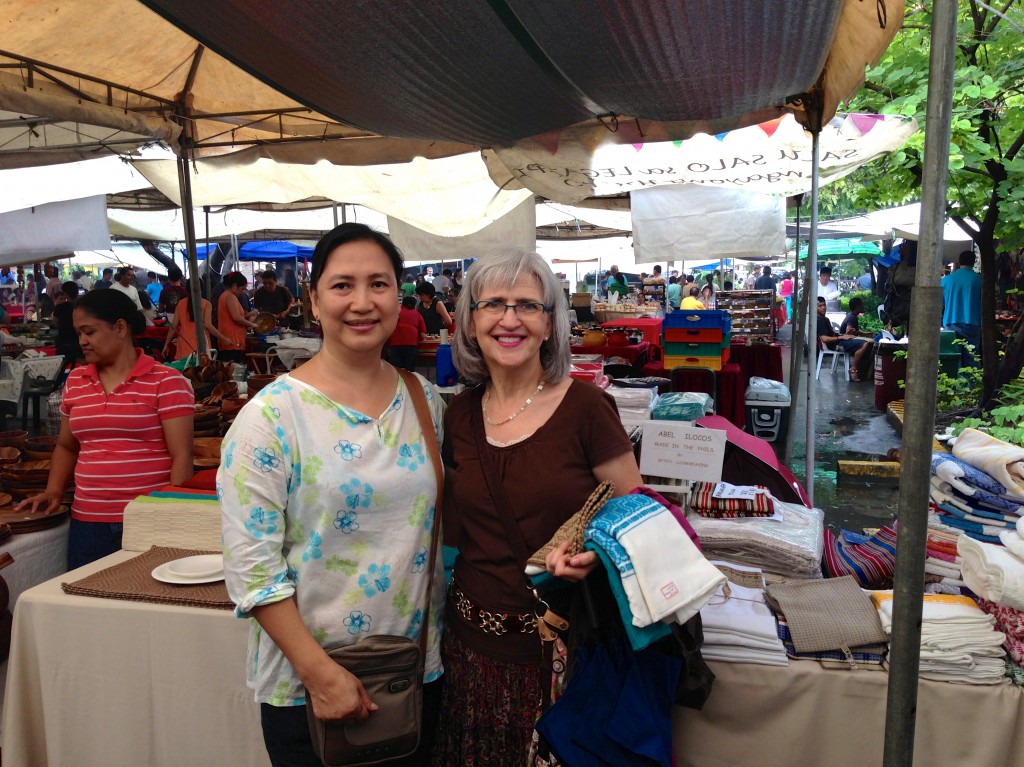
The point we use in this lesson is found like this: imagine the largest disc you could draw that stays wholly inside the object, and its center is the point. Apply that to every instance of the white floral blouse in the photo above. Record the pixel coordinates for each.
(335, 507)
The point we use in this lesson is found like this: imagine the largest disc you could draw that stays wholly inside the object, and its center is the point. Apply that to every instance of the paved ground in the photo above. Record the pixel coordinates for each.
(847, 426)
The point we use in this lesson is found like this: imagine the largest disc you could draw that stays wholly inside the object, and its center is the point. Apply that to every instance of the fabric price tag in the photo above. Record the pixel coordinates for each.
(743, 492)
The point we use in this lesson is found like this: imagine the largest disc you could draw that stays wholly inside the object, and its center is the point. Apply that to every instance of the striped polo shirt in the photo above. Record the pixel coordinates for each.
(122, 452)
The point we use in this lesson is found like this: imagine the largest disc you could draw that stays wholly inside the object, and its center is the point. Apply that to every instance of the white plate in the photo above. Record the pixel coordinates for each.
(200, 566)
(162, 574)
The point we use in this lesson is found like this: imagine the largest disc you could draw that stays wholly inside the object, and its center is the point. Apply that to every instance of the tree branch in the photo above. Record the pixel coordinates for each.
(1015, 147)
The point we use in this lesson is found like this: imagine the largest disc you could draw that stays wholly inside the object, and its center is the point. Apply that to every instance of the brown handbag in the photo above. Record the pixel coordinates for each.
(389, 667)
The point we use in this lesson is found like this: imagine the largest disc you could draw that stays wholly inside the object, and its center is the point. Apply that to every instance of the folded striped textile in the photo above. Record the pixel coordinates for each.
(985, 503)
(943, 555)
(857, 657)
(704, 502)
(964, 477)
(872, 564)
(1000, 460)
(941, 570)
(937, 517)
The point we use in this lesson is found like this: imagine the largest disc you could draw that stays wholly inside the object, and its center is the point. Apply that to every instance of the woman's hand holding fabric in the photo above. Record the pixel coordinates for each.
(335, 693)
(574, 568)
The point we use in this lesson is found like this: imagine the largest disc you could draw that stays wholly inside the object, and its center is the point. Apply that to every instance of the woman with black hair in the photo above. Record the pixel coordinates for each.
(435, 313)
(327, 496)
(126, 427)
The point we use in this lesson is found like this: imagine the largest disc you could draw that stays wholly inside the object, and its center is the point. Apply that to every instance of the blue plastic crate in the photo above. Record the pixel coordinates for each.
(707, 318)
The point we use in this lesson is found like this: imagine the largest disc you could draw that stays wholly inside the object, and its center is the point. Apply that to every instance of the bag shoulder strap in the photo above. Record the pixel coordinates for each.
(419, 401)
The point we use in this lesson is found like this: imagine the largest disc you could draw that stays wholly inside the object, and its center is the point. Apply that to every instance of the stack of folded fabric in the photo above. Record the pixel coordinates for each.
(992, 572)
(738, 625)
(942, 565)
(1011, 623)
(831, 621)
(655, 571)
(871, 563)
(634, 402)
(1000, 460)
(788, 545)
(721, 500)
(959, 642)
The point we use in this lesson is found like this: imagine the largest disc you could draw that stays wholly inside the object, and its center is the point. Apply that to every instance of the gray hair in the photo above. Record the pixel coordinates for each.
(502, 267)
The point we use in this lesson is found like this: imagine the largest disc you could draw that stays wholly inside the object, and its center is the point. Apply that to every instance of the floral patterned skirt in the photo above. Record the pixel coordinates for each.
(488, 709)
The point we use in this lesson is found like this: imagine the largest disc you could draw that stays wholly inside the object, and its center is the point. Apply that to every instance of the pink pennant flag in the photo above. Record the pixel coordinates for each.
(864, 122)
(771, 126)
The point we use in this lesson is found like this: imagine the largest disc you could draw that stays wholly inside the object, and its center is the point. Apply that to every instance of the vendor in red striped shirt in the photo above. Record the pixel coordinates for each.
(126, 427)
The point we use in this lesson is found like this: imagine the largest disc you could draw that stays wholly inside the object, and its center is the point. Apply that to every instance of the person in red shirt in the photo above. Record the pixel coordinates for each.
(404, 342)
(126, 427)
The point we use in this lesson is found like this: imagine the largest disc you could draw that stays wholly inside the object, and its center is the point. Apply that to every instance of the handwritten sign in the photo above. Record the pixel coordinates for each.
(678, 451)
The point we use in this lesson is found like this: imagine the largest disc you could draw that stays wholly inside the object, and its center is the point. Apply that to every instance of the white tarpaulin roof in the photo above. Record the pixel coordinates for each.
(773, 157)
(126, 254)
(695, 222)
(44, 231)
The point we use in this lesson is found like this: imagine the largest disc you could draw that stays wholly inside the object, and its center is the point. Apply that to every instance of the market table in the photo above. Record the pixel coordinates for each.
(730, 392)
(802, 714)
(634, 354)
(38, 557)
(12, 373)
(100, 682)
(764, 360)
(651, 327)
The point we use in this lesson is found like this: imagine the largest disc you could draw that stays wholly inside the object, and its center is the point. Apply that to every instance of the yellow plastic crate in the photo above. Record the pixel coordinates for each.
(713, 363)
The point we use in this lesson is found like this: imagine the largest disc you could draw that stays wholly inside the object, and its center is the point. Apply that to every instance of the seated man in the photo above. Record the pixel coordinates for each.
(848, 341)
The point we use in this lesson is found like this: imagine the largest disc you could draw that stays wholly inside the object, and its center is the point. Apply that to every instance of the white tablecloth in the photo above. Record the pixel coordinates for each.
(108, 683)
(38, 557)
(12, 373)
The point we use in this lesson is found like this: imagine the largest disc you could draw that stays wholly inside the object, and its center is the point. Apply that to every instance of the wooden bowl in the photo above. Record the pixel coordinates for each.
(231, 405)
(256, 382)
(41, 444)
(13, 438)
(206, 447)
(9, 455)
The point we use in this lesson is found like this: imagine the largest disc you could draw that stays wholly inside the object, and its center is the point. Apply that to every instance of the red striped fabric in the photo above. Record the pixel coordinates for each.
(122, 451)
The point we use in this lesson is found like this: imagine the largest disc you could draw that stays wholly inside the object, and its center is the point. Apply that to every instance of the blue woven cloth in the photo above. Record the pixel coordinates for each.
(964, 477)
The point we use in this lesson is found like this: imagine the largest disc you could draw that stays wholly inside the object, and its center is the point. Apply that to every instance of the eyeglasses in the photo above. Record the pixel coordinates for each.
(498, 309)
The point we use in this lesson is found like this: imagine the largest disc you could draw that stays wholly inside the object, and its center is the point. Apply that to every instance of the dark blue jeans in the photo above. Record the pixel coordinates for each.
(286, 733)
(972, 335)
(89, 541)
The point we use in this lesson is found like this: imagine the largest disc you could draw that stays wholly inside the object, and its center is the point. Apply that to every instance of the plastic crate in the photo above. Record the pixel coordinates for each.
(707, 318)
(692, 350)
(712, 363)
(694, 335)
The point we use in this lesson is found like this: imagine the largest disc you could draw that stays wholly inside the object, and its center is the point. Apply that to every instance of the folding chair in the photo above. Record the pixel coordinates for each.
(835, 355)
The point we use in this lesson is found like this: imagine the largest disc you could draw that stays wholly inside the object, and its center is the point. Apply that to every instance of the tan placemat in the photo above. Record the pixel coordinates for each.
(133, 580)
(827, 614)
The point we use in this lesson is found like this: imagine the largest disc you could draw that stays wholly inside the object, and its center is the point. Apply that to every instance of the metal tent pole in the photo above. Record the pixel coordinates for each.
(797, 335)
(812, 313)
(195, 295)
(919, 423)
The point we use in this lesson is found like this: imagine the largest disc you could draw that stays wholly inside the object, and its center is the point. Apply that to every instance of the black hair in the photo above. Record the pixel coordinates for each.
(107, 271)
(426, 289)
(353, 232)
(151, 275)
(174, 274)
(673, 280)
(825, 270)
(111, 306)
(766, 271)
(727, 285)
(694, 291)
(856, 304)
(70, 289)
(409, 302)
(967, 258)
(270, 274)
(235, 278)
(821, 299)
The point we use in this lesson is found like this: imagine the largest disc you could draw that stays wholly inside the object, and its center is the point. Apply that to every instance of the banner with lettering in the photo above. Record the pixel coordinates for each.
(773, 157)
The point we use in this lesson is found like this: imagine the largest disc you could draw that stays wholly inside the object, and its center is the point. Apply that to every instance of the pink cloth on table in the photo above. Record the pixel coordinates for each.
(1008, 620)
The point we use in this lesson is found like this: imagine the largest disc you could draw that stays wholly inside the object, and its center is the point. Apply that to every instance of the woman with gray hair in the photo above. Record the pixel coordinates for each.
(523, 450)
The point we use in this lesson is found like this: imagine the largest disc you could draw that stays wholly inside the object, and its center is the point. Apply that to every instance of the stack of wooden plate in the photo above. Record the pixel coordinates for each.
(9, 455)
(27, 522)
(13, 438)
(25, 478)
(40, 448)
(207, 421)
